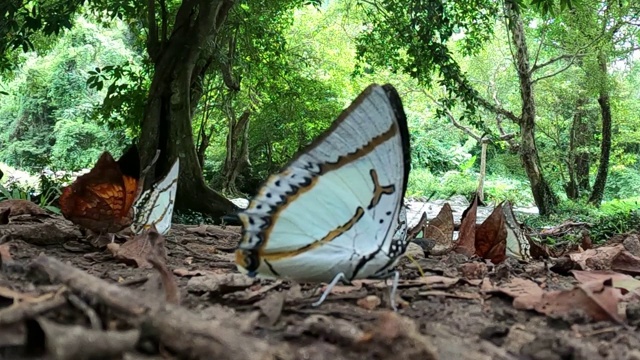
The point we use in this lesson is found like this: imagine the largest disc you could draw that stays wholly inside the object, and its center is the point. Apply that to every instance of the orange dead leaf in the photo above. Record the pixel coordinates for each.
(491, 237)
(466, 237)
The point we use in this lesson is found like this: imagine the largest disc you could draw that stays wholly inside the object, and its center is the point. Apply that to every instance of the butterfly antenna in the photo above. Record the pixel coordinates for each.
(327, 291)
(146, 170)
(394, 290)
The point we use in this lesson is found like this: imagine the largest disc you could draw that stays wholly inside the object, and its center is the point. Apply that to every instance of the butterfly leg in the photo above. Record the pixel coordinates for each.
(326, 293)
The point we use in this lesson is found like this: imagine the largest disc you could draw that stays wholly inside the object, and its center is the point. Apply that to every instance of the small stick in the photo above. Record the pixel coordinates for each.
(175, 327)
(94, 320)
(26, 310)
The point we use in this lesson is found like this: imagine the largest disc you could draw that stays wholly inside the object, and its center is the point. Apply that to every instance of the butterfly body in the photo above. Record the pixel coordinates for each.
(102, 199)
(336, 207)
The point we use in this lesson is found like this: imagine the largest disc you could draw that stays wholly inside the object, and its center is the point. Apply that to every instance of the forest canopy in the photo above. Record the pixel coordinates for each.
(547, 90)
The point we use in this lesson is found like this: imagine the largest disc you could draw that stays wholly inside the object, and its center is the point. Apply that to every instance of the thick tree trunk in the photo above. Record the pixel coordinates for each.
(543, 196)
(179, 61)
(483, 169)
(576, 160)
(605, 147)
(237, 150)
(581, 138)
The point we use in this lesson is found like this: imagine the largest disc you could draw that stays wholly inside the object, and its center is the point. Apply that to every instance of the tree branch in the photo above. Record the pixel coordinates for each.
(552, 61)
(452, 118)
(565, 68)
(152, 39)
(498, 110)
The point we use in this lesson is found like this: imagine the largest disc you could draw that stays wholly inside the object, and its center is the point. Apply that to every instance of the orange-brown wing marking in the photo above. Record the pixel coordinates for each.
(131, 190)
(98, 200)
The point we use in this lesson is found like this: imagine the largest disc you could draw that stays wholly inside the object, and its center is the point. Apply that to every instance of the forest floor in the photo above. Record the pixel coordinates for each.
(63, 298)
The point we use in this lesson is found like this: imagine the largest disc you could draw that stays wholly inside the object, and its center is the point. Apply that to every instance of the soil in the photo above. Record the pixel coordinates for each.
(275, 319)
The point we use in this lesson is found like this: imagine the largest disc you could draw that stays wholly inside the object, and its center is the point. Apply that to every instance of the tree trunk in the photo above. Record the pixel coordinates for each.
(605, 147)
(180, 61)
(576, 160)
(237, 150)
(483, 169)
(581, 136)
(543, 196)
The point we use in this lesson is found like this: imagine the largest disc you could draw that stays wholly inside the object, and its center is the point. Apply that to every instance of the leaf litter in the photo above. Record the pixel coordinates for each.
(190, 306)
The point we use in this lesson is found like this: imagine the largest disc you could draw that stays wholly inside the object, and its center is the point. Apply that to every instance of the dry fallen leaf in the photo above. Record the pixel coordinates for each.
(599, 300)
(620, 281)
(272, 305)
(596, 259)
(137, 250)
(526, 294)
(467, 235)
(22, 207)
(626, 262)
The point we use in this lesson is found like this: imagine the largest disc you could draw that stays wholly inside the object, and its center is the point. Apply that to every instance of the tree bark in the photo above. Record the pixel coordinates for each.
(581, 157)
(483, 168)
(180, 62)
(605, 147)
(237, 150)
(545, 199)
(576, 161)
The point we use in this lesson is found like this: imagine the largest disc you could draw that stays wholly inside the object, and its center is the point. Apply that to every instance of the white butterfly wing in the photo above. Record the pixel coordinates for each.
(155, 205)
(336, 206)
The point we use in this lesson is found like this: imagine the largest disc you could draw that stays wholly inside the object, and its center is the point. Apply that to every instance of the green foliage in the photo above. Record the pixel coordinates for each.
(613, 217)
(191, 218)
(45, 121)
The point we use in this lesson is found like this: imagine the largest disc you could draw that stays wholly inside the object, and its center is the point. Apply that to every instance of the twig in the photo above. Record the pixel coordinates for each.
(178, 329)
(195, 255)
(94, 320)
(26, 310)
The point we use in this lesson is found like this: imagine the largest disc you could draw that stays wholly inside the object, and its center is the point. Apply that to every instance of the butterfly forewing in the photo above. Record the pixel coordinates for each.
(155, 206)
(335, 207)
(101, 200)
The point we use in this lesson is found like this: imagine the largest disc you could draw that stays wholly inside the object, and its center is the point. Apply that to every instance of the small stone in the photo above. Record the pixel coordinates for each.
(369, 302)
(632, 244)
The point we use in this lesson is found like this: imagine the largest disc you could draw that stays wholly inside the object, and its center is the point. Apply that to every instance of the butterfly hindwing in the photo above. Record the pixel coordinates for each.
(336, 206)
(155, 205)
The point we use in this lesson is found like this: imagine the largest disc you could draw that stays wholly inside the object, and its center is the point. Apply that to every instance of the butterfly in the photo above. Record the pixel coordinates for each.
(155, 205)
(102, 199)
(335, 211)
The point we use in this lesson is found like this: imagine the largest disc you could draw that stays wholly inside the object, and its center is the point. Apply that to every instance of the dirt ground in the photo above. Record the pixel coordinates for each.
(52, 306)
